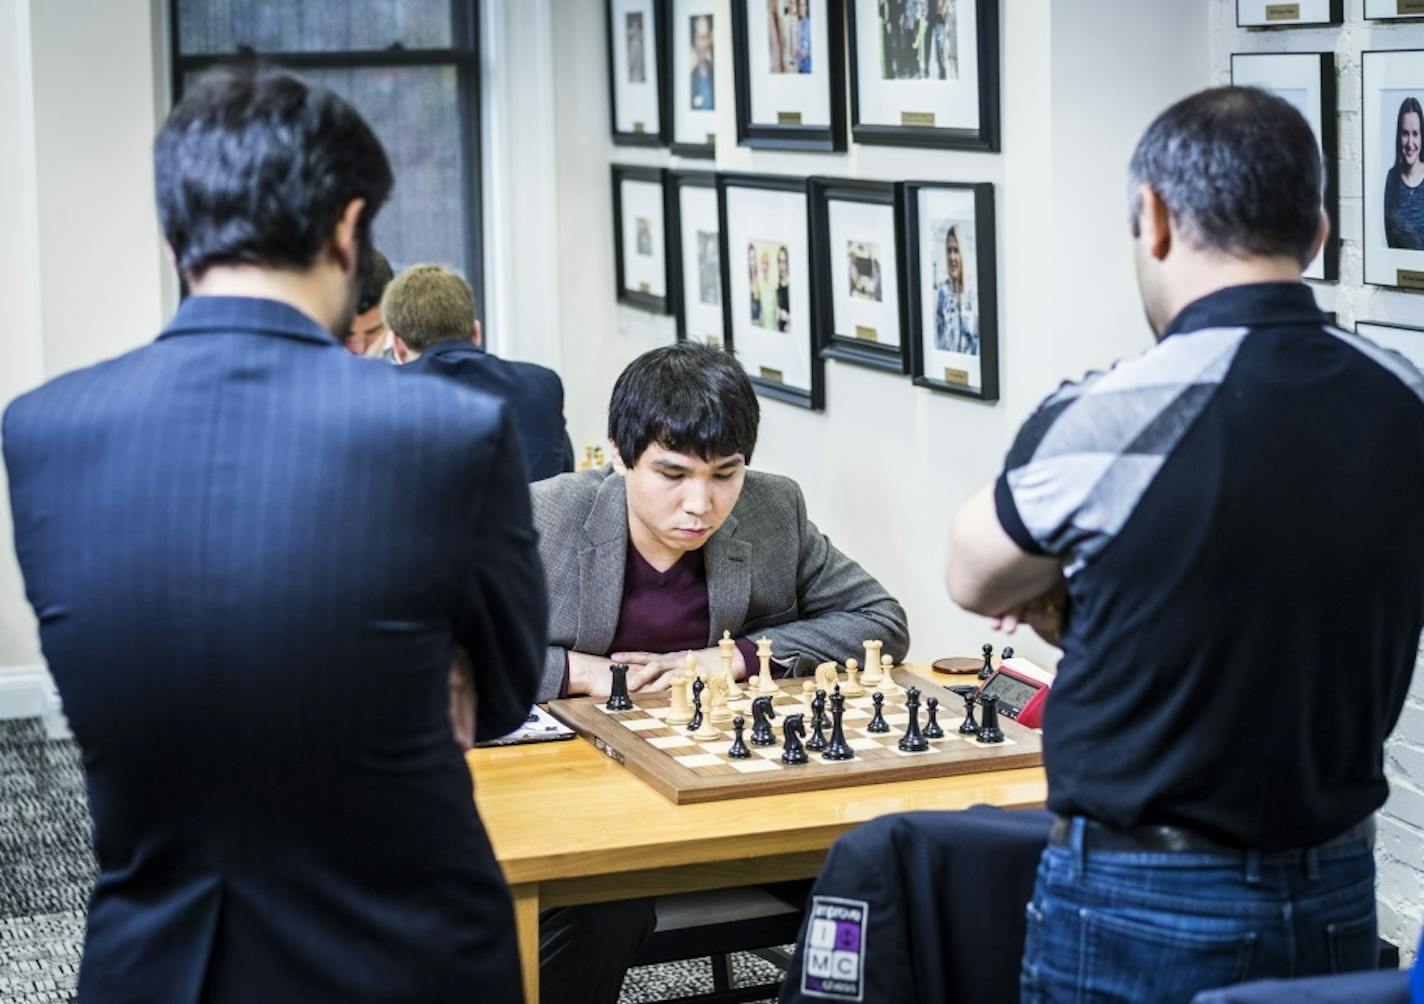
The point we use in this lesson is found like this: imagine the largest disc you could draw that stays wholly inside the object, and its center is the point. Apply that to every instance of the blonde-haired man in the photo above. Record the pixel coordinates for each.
(430, 312)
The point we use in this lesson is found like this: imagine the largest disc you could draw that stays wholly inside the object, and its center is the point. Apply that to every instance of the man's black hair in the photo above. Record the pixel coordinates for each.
(255, 167)
(687, 398)
(1239, 169)
(373, 275)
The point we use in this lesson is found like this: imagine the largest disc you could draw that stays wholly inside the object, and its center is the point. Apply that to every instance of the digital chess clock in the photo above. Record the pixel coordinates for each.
(1022, 690)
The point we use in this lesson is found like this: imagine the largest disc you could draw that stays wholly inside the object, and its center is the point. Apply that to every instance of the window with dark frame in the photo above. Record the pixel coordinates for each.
(410, 68)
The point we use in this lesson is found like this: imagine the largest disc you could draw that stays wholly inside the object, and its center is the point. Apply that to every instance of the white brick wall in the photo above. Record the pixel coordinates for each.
(1400, 850)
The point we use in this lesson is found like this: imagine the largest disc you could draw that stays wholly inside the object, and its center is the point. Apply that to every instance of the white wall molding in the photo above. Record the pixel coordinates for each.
(29, 692)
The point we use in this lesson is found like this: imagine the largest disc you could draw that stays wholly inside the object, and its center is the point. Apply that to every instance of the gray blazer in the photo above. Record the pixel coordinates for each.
(769, 571)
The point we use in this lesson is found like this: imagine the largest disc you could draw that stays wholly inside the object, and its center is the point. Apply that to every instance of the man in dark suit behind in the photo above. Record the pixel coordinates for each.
(260, 690)
(430, 312)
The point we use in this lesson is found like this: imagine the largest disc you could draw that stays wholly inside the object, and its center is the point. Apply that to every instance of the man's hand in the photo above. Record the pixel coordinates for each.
(1044, 614)
(649, 672)
(462, 699)
(588, 674)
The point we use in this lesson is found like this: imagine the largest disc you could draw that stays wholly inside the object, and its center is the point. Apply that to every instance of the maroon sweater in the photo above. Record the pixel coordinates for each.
(664, 611)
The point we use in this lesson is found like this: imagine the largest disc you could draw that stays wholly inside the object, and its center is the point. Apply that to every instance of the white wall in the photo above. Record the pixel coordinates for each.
(83, 276)
(1399, 853)
(885, 464)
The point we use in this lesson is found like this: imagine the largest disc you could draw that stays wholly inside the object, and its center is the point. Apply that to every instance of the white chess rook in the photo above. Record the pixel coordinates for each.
(871, 676)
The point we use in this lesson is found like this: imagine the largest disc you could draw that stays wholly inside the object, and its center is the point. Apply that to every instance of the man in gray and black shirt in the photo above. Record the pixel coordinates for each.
(1229, 531)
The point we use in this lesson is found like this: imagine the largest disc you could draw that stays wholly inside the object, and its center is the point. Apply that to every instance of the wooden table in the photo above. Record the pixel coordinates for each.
(570, 826)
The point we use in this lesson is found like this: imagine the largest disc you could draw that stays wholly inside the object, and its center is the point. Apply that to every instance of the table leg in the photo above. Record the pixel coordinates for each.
(526, 924)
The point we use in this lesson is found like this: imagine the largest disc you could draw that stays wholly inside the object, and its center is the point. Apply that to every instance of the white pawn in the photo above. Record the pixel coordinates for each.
(887, 684)
(852, 687)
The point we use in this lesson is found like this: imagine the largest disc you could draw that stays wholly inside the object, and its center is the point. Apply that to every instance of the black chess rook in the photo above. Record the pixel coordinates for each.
(618, 699)
(989, 731)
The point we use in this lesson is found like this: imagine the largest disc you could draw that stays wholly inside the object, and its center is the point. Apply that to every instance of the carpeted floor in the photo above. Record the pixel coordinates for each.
(47, 870)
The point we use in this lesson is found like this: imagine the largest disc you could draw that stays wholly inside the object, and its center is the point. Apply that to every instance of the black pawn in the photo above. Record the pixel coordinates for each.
(618, 699)
(762, 714)
(969, 727)
(793, 752)
(987, 670)
(1007, 653)
(696, 722)
(838, 748)
(989, 731)
(817, 741)
(932, 729)
(739, 749)
(913, 741)
(877, 721)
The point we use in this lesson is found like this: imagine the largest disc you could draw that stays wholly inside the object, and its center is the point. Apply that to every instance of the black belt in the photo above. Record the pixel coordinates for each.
(1098, 837)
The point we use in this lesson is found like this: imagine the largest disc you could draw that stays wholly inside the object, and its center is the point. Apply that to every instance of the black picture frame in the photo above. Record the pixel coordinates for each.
(1330, 148)
(1337, 16)
(700, 151)
(806, 139)
(632, 297)
(820, 192)
(676, 182)
(986, 270)
(657, 38)
(1415, 354)
(1414, 13)
(813, 397)
(1405, 279)
(985, 139)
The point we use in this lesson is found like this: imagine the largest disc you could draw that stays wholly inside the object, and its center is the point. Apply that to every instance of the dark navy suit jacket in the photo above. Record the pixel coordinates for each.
(250, 554)
(535, 395)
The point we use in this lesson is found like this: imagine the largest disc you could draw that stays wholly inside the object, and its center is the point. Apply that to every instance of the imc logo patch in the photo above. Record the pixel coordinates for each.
(835, 949)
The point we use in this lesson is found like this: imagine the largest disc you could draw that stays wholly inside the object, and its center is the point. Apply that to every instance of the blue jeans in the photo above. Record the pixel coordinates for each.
(1158, 927)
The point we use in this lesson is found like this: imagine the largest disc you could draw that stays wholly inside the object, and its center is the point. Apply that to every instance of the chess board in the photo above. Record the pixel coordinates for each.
(685, 770)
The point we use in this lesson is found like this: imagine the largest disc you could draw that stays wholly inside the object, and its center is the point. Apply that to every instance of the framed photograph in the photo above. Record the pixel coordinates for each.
(696, 256)
(1393, 10)
(1307, 81)
(639, 239)
(925, 73)
(692, 44)
(789, 57)
(952, 310)
(637, 72)
(1407, 341)
(1393, 92)
(767, 310)
(855, 252)
(1270, 14)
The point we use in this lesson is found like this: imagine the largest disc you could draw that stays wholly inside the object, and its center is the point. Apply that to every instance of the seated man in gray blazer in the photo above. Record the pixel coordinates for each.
(657, 556)
(677, 541)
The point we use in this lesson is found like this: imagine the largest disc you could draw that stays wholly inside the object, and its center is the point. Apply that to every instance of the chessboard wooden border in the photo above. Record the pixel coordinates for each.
(683, 786)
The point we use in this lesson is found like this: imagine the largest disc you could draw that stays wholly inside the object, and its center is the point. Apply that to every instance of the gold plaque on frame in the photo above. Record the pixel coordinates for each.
(1409, 279)
(960, 377)
(917, 119)
(643, 287)
(1282, 12)
(788, 118)
(639, 127)
(866, 334)
(1410, 7)
(767, 373)
(711, 139)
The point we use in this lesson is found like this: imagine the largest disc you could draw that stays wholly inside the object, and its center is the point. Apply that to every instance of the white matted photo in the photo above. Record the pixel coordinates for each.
(635, 71)
(1393, 115)
(789, 57)
(698, 266)
(925, 72)
(1273, 14)
(1407, 341)
(693, 44)
(952, 287)
(856, 281)
(1307, 81)
(640, 242)
(766, 268)
(1390, 10)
